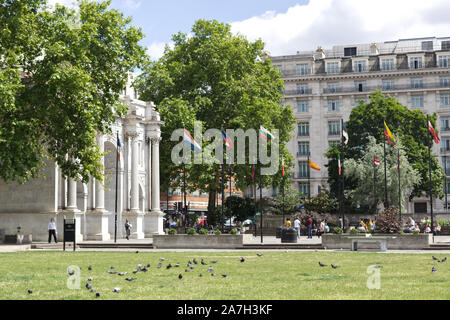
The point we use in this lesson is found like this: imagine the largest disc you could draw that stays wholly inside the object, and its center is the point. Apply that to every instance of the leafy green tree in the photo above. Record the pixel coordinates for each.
(223, 81)
(241, 208)
(61, 73)
(290, 205)
(322, 203)
(408, 126)
(362, 170)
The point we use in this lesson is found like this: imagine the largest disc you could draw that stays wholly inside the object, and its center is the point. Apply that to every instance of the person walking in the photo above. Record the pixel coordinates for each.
(128, 227)
(297, 226)
(309, 223)
(52, 231)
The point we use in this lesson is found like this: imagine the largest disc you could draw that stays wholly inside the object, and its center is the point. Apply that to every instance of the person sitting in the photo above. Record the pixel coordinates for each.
(410, 226)
(362, 226)
(416, 227)
(437, 230)
(427, 229)
(288, 223)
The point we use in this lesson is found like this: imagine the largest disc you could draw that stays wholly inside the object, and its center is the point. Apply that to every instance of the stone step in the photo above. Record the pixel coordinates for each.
(101, 245)
(445, 246)
(282, 246)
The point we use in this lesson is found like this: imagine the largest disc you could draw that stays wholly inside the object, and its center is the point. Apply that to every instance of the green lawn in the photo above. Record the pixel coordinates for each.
(274, 276)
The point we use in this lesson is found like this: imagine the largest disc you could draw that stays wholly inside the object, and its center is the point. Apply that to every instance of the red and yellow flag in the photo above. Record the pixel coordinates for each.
(314, 166)
(389, 137)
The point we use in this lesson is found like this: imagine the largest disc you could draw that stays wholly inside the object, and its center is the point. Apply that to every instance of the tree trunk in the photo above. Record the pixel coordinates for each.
(212, 210)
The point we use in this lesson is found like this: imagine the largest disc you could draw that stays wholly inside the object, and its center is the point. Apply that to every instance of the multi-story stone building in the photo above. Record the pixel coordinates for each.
(323, 86)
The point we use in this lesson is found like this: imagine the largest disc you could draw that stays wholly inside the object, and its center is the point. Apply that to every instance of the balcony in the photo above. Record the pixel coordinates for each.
(300, 92)
(397, 87)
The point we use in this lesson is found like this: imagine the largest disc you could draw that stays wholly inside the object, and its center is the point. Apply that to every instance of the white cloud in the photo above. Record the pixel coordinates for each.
(67, 3)
(156, 49)
(340, 22)
(132, 4)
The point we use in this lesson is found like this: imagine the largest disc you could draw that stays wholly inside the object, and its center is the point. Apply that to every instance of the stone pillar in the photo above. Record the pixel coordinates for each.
(72, 211)
(97, 219)
(134, 215)
(155, 218)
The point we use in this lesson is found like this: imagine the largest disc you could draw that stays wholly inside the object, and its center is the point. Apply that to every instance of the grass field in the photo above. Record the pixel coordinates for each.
(274, 276)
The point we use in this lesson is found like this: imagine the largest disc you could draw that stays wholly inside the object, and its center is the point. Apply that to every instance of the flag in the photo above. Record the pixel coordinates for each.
(265, 134)
(389, 137)
(339, 164)
(344, 133)
(314, 166)
(376, 162)
(119, 148)
(433, 132)
(282, 165)
(227, 140)
(191, 142)
(253, 172)
(399, 162)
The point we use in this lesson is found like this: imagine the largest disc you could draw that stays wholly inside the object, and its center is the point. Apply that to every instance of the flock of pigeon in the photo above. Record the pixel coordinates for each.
(191, 265)
(434, 270)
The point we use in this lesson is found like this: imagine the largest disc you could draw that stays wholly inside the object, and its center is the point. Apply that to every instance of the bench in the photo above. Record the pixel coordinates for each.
(370, 239)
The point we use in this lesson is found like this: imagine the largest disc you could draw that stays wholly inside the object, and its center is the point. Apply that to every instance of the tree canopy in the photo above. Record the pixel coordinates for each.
(61, 74)
(225, 82)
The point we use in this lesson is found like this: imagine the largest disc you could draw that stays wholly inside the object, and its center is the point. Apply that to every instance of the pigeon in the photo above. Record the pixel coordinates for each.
(213, 274)
(259, 254)
(90, 279)
(135, 271)
(88, 286)
(116, 290)
(93, 291)
(90, 268)
(187, 270)
(169, 266)
(242, 259)
(443, 260)
(224, 275)
(378, 267)
(321, 264)
(112, 267)
(180, 276)
(145, 269)
(159, 266)
(148, 266)
(192, 267)
(30, 291)
(189, 263)
(130, 279)
(123, 274)
(139, 266)
(200, 275)
(434, 258)
(137, 251)
(210, 269)
(213, 261)
(434, 270)
(112, 271)
(195, 261)
(97, 294)
(203, 262)
(334, 267)
(177, 265)
(70, 272)
(162, 259)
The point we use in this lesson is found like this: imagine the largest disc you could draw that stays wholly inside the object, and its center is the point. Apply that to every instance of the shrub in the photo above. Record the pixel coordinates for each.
(234, 231)
(388, 221)
(338, 230)
(191, 231)
(172, 232)
(444, 223)
(416, 232)
(354, 231)
(203, 231)
(370, 231)
(217, 232)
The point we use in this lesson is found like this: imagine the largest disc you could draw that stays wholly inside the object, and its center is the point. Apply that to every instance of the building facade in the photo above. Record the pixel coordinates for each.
(93, 205)
(323, 86)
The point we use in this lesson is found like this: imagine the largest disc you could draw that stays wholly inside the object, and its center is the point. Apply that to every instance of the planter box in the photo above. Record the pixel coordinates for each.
(402, 242)
(18, 239)
(183, 241)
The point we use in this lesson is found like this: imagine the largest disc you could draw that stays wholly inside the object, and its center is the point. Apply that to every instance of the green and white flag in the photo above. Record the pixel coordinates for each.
(265, 134)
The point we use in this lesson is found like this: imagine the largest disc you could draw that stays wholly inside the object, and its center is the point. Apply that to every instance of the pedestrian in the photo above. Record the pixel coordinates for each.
(297, 226)
(309, 223)
(52, 231)
(128, 227)
(288, 223)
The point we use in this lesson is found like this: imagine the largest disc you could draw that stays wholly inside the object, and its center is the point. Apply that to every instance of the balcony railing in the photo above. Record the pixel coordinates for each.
(297, 92)
(396, 87)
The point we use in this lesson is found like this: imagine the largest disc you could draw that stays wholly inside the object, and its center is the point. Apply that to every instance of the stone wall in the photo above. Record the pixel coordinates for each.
(401, 242)
(181, 241)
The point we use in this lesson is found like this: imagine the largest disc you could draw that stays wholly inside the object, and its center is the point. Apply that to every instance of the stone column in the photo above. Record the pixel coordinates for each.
(97, 219)
(156, 216)
(72, 211)
(134, 215)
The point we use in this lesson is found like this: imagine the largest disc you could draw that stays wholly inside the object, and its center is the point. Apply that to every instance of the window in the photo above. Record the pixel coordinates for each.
(303, 188)
(445, 99)
(444, 61)
(303, 169)
(350, 52)
(387, 64)
(420, 207)
(445, 144)
(275, 191)
(302, 89)
(303, 129)
(302, 69)
(415, 63)
(332, 67)
(360, 66)
(445, 124)
(333, 87)
(444, 81)
(302, 106)
(360, 86)
(427, 45)
(417, 101)
(416, 83)
(387, 84)
(303, 148)
(334, 128)
(445, 45)
(333, 105)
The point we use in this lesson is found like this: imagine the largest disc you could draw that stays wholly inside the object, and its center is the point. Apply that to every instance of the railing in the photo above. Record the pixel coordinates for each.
(297, 92)
(397, 87)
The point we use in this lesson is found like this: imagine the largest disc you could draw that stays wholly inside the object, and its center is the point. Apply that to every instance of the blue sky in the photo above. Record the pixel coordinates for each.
(288, 26)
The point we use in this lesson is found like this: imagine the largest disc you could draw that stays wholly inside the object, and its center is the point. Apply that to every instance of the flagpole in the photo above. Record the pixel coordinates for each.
(184, 198)
(431, 184)
(374, 187)
(223, 196)
(399, 188)
(445, 184)
(386, 203)
(231, 173)
(341, 205)
(117, 179)
(309, 176)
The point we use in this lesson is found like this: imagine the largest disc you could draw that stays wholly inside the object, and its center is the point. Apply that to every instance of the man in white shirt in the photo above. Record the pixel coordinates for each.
(52, 231)
(297, 227)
